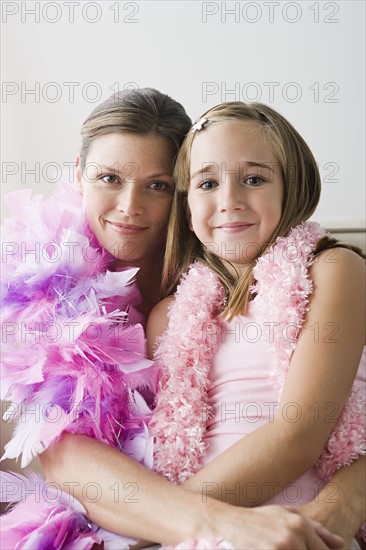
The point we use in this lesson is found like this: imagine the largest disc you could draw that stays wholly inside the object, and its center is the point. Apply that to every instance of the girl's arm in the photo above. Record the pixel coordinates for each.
(136, 502)
(318, 381)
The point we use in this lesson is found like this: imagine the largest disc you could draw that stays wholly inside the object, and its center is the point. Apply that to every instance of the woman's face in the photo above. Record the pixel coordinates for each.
(128, 189)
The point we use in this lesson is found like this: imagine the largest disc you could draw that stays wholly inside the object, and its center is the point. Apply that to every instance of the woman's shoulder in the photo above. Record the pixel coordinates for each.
(162, 307)
(157, 323)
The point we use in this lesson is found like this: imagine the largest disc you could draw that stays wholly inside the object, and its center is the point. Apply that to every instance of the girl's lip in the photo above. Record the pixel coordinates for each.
(234, 227)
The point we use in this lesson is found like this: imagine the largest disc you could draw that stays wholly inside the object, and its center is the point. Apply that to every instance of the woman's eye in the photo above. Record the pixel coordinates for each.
(160, 186)
(254, 181)
(109, 178)
(208, 184)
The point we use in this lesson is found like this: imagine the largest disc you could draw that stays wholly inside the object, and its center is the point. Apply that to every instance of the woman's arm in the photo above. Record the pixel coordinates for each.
(321, 374)
(136, 502)
(121, 495)
(341, 505)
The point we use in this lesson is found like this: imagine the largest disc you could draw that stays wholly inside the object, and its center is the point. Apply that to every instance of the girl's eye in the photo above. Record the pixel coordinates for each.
(207, 185)
(109, 178)
(254, 181)
(160, 186)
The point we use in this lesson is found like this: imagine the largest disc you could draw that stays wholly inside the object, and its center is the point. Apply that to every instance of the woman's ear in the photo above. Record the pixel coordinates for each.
(79, 175)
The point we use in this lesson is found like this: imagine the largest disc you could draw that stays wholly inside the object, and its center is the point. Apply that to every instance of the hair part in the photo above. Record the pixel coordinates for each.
(143, 111)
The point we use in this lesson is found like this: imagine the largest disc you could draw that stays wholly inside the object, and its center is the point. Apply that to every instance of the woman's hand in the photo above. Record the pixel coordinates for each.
(341, 505)
(337, 518)
(272, 527)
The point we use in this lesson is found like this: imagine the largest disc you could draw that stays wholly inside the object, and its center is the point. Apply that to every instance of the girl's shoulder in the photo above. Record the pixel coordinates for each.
(336, 266)
(157, 323)
(338, 277)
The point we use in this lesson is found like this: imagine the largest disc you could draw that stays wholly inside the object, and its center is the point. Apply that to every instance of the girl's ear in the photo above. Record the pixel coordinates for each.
(79, 175)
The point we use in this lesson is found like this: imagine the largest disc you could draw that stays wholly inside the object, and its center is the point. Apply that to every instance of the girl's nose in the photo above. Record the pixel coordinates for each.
(231, 196)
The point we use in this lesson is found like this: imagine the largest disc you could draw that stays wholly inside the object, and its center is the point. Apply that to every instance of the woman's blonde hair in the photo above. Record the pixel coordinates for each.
(141, 111)
(301, 195)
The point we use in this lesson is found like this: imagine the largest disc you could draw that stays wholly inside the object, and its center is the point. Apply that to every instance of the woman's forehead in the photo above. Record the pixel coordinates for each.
(146, 154)
(125, 145)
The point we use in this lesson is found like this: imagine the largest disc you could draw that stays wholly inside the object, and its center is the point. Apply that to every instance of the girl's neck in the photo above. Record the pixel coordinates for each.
(148, 279)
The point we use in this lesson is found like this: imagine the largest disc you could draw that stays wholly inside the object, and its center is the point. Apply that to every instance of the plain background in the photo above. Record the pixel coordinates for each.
(305, 59)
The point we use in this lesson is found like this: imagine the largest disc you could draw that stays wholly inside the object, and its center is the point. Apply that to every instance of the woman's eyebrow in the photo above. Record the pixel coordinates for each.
(105, 167)
(159, 175)
(115, 167)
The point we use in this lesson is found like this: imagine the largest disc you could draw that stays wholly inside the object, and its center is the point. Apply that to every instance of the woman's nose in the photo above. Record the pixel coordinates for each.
(130, 200)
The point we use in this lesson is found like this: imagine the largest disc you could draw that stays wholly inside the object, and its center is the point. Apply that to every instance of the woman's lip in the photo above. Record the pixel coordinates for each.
(125, 228)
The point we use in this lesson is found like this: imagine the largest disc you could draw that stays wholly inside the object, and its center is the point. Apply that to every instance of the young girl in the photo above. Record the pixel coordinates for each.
(266, 330)
(133, 141)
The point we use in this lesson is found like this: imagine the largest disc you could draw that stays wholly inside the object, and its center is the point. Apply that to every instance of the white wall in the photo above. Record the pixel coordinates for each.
(305, 59)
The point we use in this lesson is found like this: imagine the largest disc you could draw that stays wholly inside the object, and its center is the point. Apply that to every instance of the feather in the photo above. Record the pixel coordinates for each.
(14, 486)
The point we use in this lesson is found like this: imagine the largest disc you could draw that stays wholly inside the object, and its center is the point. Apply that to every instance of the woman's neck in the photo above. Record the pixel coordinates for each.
(148, 279)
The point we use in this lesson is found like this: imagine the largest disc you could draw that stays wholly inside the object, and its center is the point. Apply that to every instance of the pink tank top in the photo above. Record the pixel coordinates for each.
(244, 399)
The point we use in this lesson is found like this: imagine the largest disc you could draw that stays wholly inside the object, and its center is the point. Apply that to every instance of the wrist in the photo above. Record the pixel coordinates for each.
(206, 519)
(336, 515)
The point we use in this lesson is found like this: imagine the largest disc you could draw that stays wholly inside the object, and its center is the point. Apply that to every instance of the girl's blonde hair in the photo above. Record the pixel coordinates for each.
(141, 111)
(301, 195)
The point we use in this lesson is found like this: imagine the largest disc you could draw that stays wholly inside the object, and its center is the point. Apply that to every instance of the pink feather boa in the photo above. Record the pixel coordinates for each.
(186, 351)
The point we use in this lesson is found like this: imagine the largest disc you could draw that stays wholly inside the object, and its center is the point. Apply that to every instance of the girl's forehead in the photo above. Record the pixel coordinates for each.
(231, 136)
(244, 125)
(223, 131)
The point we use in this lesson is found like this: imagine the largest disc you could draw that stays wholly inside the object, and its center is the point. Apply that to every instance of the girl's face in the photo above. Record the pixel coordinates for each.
(236, 190)
(128, 189)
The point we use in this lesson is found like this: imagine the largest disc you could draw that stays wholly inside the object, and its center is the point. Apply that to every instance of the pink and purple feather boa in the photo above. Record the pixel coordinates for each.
(73, 357)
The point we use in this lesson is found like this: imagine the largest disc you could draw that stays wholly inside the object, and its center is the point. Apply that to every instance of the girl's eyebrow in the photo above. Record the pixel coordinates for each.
(213, 168)
(206, 168)
(261, 164)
